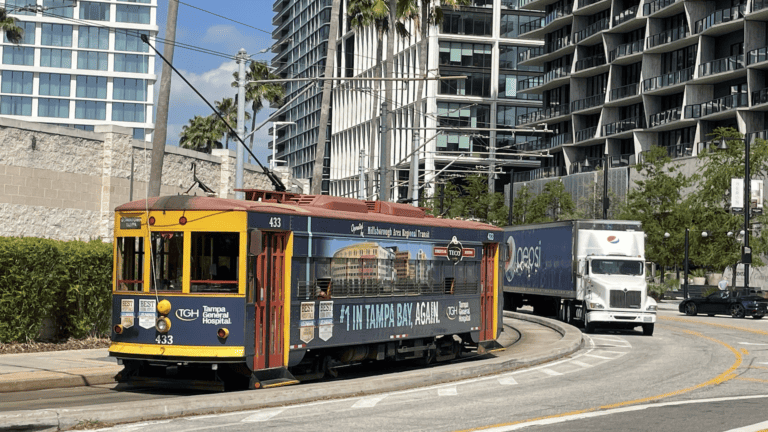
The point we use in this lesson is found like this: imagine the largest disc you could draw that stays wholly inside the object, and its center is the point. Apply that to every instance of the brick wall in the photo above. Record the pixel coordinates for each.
(64, 183)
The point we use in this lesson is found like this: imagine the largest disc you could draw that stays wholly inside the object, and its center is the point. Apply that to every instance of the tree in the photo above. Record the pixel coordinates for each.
(200, 134)
(468, 198)
(554, 203)
(228, 109)
(256, 93)
(659, 204)
(712, 195)
(14, 33)
(521, 209)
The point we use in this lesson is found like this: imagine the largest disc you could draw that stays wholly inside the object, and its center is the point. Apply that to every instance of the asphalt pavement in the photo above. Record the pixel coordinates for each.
(525, 342)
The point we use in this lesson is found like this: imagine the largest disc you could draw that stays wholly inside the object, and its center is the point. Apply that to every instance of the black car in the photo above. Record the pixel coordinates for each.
(726, 303)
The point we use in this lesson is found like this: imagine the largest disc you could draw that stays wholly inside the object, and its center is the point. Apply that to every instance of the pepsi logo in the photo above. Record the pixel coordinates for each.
(613, 239)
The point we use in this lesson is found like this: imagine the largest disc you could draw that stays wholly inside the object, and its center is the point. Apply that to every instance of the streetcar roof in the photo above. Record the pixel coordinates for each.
(308, 205)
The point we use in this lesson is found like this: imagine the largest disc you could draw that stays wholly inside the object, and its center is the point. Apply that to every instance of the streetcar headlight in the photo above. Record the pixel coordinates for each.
(164, 307)
(118, 329)
(163, 324)
(222, 333)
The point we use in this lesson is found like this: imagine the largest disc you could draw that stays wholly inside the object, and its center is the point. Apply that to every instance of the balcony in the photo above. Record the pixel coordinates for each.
(680, 150)
(624, 91)
(625, 50)
(560, 72)
(589, 102)
(725, 64)
(544, 143)
(590, 62)
(623, 125)
(530, 26)
(585, 3)
(668, 36)
(665, 117)
(557, 44)
(538, 173)
(724, 103)
(655, 6)
(719, 17)
(543, 114)
(667, 80)
(625, 15)
(585, 134)
(759, 5)
(760, 97)
(561, 139)
(530, 83)
(590, 30)
(757, 55)
(529, 54)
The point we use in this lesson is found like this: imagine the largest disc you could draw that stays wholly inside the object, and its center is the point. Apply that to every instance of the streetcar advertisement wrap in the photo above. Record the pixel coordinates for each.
(539, 258)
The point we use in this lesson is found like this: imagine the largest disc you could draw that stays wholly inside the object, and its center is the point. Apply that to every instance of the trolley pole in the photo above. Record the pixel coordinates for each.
(241, 58)
(383, 154)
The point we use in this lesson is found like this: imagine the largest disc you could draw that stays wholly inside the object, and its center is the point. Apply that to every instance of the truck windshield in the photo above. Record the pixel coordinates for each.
(617, 267)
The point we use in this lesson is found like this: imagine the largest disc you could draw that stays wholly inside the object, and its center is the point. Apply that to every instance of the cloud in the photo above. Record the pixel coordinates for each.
(214, 85)
(229, 39)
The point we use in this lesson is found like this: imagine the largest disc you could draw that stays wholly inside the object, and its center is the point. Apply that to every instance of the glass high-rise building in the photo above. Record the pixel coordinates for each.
(81, 64)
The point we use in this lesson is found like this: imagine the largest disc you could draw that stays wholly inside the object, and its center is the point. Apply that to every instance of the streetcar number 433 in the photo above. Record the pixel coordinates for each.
(164, 339)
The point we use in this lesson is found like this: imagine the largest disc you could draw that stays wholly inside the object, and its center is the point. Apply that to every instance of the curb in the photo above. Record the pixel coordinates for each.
(42, 380)
(65, 418)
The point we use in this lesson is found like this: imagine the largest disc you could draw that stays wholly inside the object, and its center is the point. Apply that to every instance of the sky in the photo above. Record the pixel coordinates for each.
(211, 74)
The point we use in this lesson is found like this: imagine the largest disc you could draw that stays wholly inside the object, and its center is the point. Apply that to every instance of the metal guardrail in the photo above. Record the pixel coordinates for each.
(669, 79)
(624, 91)
(588, 102)
(665, 117)
(590, 30)
(655, 6)
(625, 15)
(719, 17)
(667, 36)
(590, 62)
(725, 64)
(625, 50)
(585, 134)
(624, 125)
(757, 55)
(724, 103)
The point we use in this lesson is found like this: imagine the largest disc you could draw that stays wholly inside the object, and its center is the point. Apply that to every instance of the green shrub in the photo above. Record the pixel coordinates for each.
(672, 284)
(68, 282)
(699, 272)
(656, 291)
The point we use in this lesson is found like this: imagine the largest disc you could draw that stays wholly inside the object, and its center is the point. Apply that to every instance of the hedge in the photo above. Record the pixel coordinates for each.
(68, 282)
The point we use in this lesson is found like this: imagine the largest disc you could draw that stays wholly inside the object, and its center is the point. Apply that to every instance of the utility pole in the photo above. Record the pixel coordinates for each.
(606, 203)
(413, 186)
(361, 183)
(242, 56)
(163, 99)
(383, 155)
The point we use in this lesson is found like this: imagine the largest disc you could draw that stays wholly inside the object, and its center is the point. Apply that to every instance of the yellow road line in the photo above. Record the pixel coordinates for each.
(721, 378)
(757, 367)
(752, 379)
(725, 326)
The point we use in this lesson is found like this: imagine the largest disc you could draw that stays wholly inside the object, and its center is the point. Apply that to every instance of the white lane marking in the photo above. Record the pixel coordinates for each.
(263, 415)
(507, 381)
(368, 402)
(751, 428)
(580, 363)
(614, 352)
(448, 391)
(610, 339)
(751, 343)
(600, 357)
(556, 420)
(551, 372)
(134, 426)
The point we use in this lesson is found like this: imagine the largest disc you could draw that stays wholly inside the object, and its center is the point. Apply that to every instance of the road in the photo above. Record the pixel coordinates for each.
(695, 374)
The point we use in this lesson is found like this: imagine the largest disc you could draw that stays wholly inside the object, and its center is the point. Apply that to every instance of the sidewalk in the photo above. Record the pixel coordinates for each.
(669, 304)
(527, 342)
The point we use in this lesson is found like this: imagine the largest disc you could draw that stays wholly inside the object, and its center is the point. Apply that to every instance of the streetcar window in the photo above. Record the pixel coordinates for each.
(130, 264)
(167, 257)
(215, 259)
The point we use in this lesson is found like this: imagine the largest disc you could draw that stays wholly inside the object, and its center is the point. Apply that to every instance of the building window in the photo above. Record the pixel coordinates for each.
(94, 11)
(465, 54)
(54, 85)
(16, 55)
(13, 6)
(91, 110)
(469, 23)
(29, 33)
(57, 35)
(128, 112)
(53, 108)
(61, 8)
(134, 63)
(16, 105)
(129, 89)
(84, 127)
(92, 60)
(129, 41)
(132, 14)
(91, 87)
(138, 134)
(17, 82)
(136, 1)
(93, 37)
(476, 83)
(56, 58)
(508, 87)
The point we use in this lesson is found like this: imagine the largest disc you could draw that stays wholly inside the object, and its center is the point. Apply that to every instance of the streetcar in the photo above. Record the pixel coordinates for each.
(280, 288)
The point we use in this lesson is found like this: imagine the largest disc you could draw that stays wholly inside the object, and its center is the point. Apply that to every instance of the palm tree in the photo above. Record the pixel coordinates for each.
(228, 109)
(14, 33)
(257, 93)
(200, 134)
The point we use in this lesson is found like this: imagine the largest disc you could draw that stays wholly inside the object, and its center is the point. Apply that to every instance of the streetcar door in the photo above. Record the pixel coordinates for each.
(270, 301)
(488, 291)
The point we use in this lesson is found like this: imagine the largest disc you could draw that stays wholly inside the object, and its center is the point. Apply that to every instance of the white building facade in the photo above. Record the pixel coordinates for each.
(81, 64)
(464, 125)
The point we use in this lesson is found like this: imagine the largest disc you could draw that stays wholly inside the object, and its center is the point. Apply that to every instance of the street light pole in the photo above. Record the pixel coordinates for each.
(241, 58)
(605, 185)
(685, 267)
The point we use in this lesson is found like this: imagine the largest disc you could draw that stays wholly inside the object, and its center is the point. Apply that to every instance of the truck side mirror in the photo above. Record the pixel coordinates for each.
(255, 246)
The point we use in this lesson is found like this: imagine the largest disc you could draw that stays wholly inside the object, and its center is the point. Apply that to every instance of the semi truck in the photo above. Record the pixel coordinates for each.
(583, 271)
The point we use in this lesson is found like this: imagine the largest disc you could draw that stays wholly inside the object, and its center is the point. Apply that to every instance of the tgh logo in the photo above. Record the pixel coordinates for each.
(187, 314)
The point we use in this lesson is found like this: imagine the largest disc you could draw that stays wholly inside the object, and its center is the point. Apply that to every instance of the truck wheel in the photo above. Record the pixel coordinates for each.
(589, 327)
(647, 329)
(569, 311)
